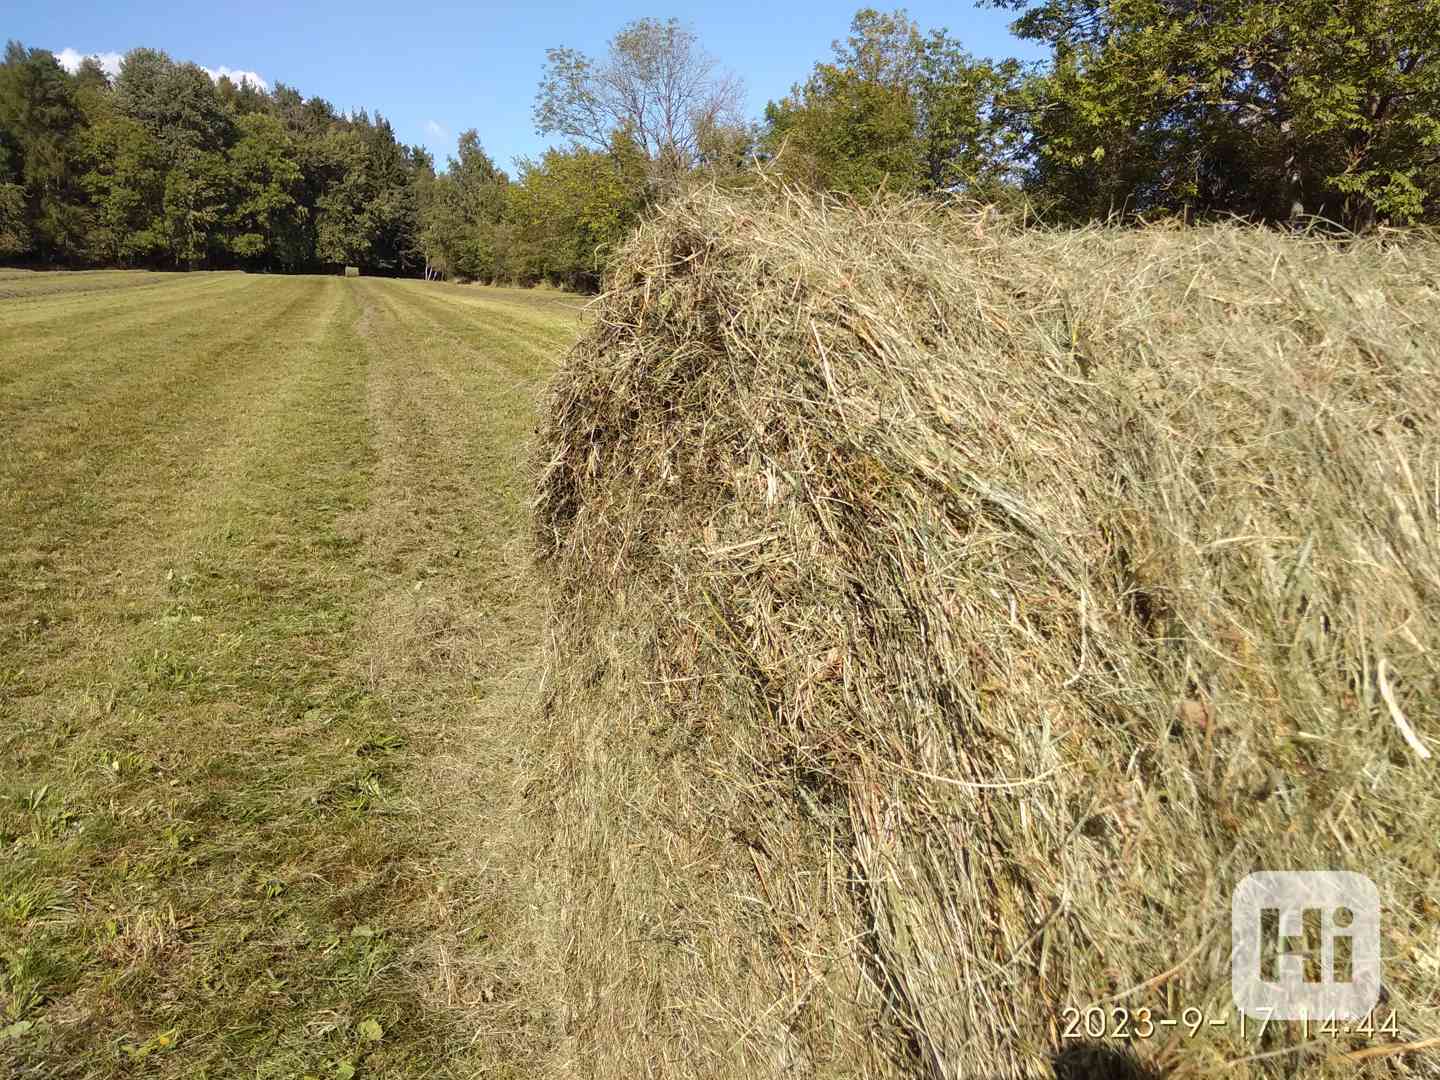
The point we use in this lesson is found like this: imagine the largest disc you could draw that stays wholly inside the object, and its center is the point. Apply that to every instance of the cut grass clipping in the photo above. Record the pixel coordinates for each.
(946, 617)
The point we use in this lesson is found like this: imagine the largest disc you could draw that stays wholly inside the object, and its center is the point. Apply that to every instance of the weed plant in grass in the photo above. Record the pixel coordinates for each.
(946, 616)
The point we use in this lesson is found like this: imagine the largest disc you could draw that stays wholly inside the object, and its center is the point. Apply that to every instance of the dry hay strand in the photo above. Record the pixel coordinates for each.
(945, 616)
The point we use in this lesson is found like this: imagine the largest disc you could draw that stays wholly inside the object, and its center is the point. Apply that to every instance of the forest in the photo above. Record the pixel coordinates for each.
(1278, 111)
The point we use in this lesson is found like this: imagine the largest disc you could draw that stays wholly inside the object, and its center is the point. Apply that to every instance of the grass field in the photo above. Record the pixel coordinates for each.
(265, 634)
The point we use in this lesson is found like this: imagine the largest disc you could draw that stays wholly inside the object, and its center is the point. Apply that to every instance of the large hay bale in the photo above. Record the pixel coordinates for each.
(946, 617)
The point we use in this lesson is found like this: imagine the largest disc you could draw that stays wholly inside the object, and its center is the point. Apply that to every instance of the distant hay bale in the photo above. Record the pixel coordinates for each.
(946, 616)
(352, 271)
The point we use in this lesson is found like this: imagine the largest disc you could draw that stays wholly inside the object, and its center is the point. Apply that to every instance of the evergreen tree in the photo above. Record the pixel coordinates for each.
(462, 215)
(14, 221)
(342, 235)
(39, 118)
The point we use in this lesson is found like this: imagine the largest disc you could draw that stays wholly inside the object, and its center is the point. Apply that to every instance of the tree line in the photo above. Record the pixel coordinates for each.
(1267, 109)
(163, 166)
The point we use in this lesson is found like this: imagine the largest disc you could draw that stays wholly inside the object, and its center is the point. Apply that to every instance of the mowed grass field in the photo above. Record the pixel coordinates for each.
(266, 637)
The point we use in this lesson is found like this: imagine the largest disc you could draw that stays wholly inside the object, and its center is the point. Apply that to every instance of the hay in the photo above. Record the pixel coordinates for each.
(946, 616)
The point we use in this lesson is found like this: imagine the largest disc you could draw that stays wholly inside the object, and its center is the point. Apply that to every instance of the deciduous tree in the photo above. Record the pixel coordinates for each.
(177, 103)
(197, 196)
(267, 218)
(571, 208)
(897, 109)
(125, 179)
(1260, 107)
(656, 82)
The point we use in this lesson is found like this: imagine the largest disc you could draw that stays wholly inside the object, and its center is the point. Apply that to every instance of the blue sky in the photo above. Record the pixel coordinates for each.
(435, 69)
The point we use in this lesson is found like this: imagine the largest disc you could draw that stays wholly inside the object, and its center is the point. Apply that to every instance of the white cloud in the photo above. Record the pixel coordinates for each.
(238, 76)
(70, 60)
(436, 130)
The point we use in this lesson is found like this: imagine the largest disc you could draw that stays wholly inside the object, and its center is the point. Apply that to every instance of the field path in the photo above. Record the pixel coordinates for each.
(267, 649)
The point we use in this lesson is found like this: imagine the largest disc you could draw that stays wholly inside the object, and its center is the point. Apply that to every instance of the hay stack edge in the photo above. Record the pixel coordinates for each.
(946, 615)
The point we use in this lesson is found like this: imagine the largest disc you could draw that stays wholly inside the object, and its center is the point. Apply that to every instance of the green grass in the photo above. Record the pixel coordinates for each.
(264, 626)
